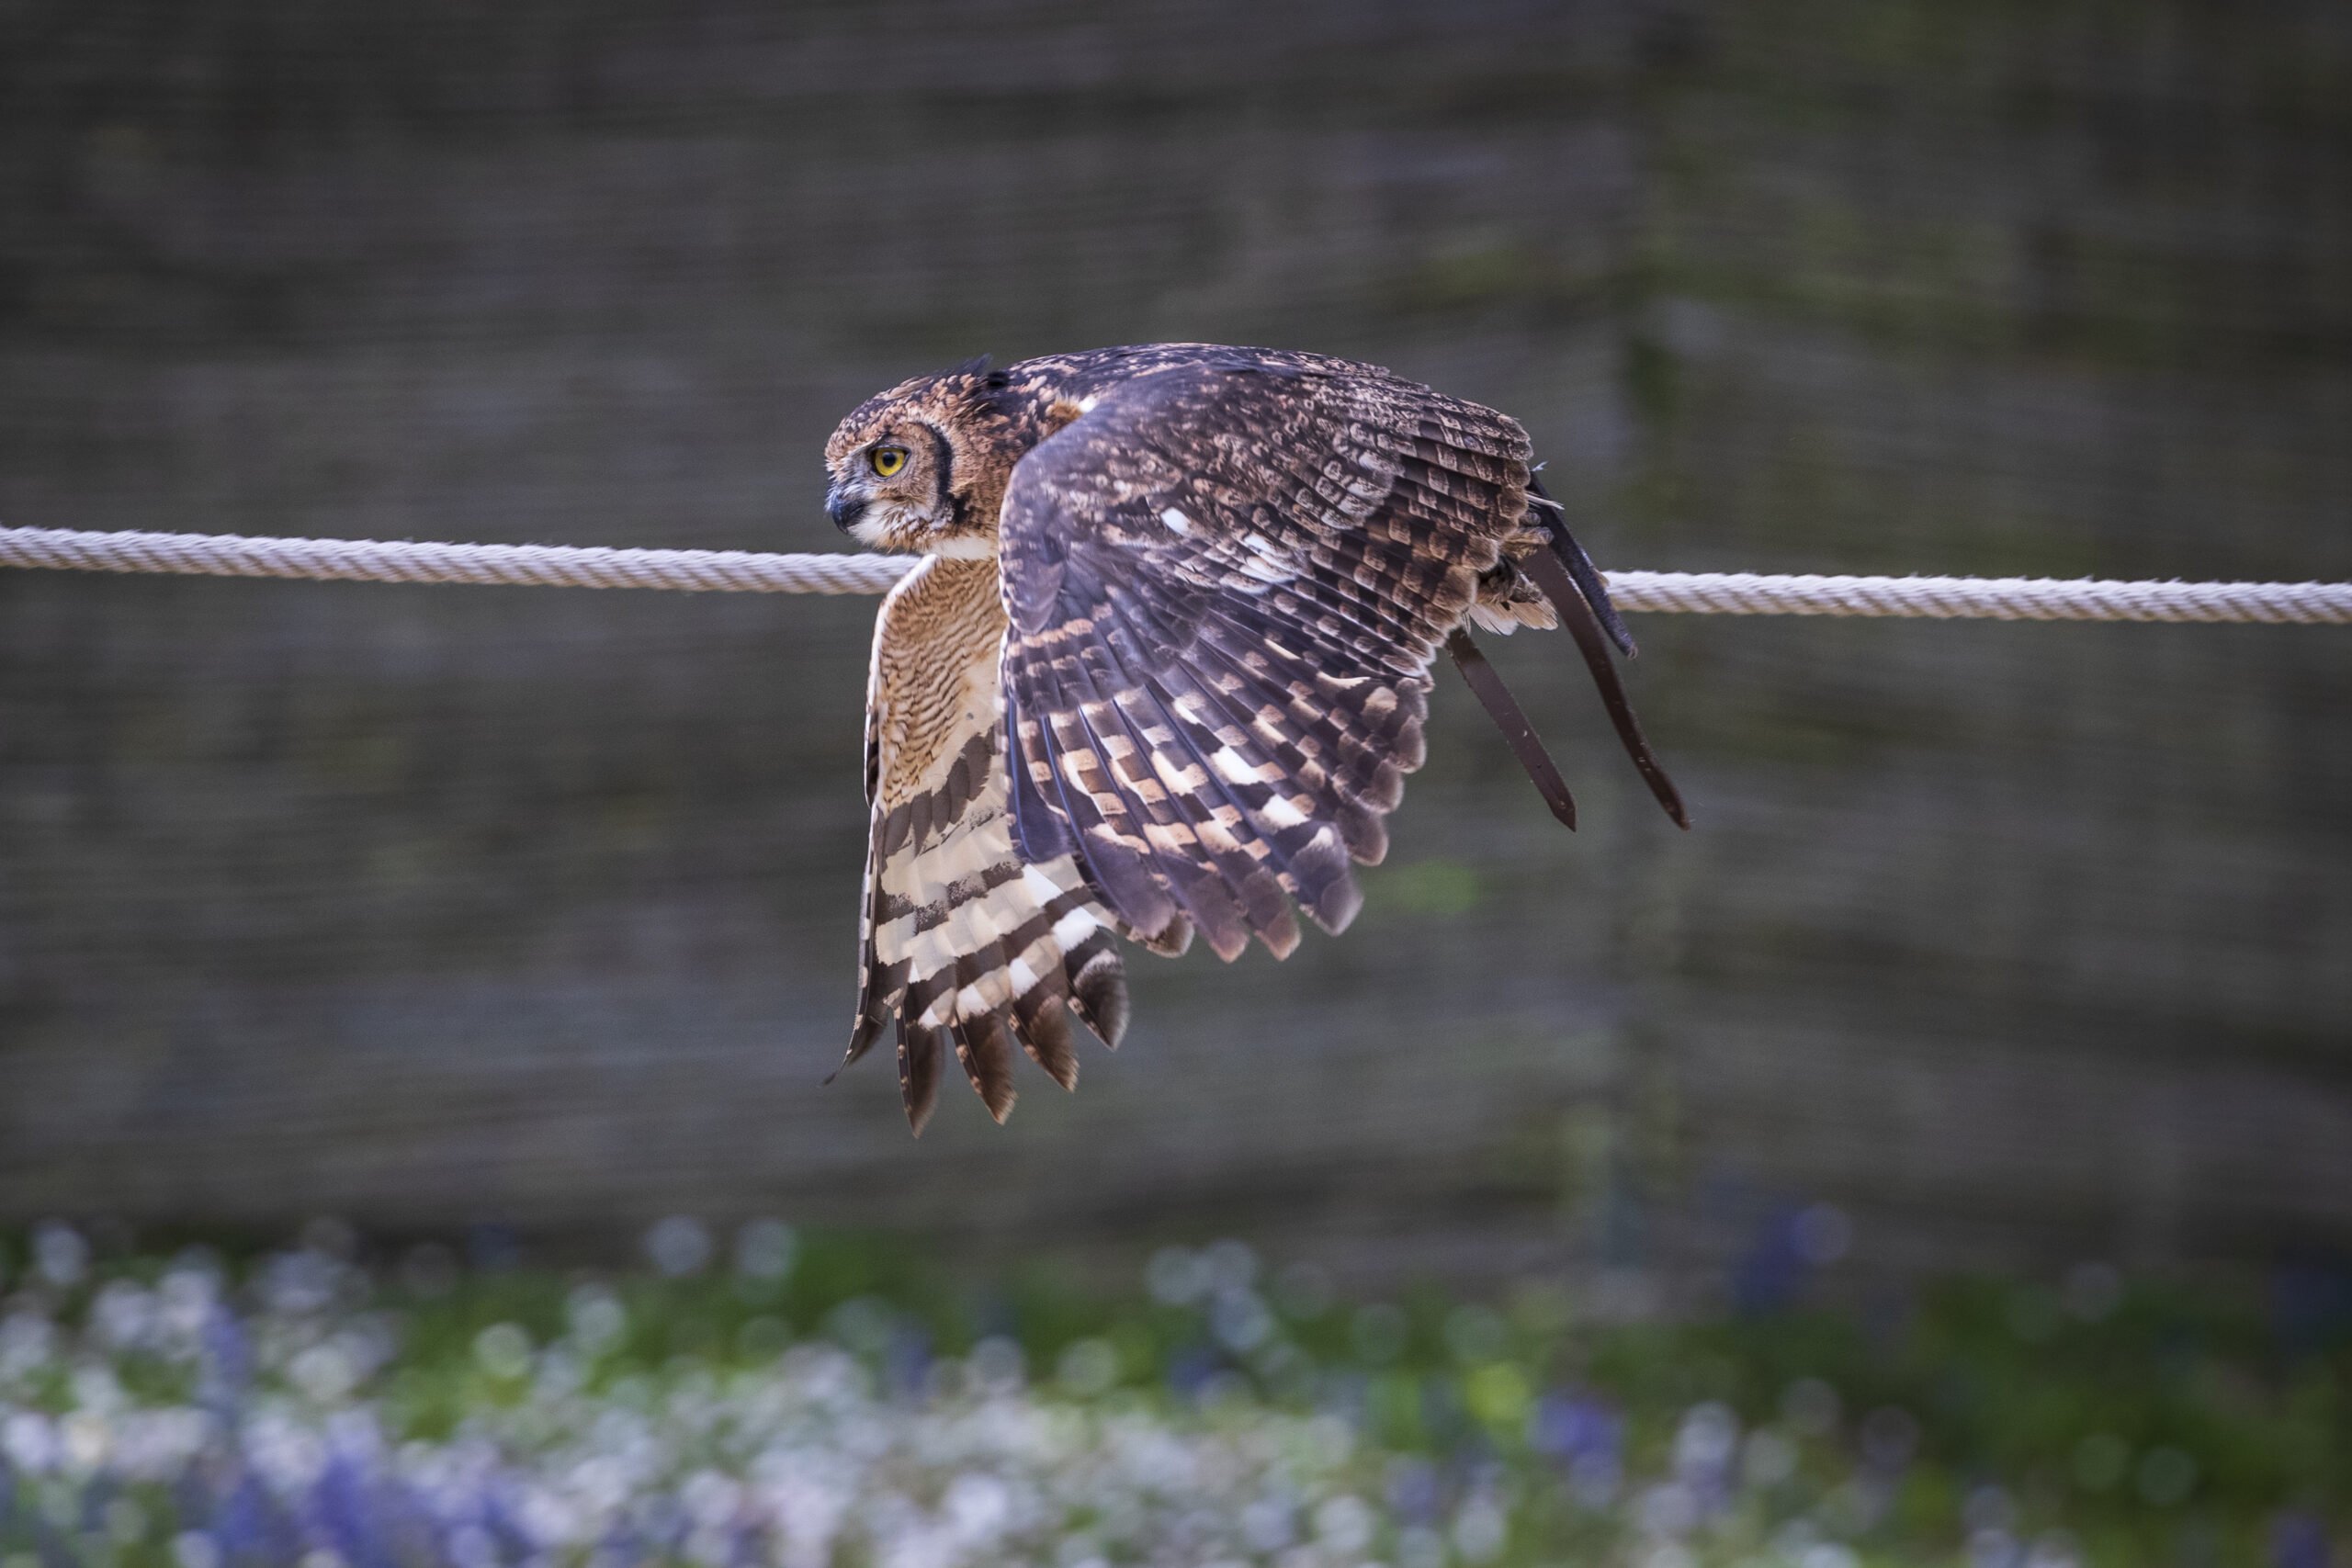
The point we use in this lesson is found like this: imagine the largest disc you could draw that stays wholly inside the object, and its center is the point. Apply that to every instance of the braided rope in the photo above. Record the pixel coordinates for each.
(745, 571)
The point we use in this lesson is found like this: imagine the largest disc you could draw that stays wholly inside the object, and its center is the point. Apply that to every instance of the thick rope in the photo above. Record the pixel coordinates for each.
(744, 571)
(511, 565)
(1988, 598)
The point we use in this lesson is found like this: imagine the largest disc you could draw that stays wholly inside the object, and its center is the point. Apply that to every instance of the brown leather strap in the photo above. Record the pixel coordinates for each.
(1504, 710)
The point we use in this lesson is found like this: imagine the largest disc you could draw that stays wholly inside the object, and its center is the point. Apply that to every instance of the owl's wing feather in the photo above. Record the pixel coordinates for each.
(1225, 584)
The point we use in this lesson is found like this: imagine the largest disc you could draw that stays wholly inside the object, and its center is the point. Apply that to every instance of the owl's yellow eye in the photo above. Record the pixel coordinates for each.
(887, 460)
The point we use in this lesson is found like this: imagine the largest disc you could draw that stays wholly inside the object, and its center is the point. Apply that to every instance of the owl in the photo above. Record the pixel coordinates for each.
(1162, 668)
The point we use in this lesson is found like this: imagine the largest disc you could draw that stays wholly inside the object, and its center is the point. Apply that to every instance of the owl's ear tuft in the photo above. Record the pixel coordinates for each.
(991, 393)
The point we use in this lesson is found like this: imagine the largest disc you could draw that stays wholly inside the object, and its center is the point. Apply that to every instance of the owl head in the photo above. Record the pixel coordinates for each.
(921, 468)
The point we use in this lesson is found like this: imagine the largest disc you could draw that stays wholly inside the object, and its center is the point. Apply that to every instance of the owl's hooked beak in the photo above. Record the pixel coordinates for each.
(842, 507)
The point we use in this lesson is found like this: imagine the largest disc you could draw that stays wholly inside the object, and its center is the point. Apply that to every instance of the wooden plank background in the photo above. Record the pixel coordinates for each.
(434, 907)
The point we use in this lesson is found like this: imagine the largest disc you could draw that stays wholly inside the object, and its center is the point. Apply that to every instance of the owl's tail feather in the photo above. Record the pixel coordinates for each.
(1504, 709)
(1590, 588)
(1551, 573)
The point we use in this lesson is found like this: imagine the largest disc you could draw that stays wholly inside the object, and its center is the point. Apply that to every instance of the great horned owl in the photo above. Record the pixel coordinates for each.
(1192, 594)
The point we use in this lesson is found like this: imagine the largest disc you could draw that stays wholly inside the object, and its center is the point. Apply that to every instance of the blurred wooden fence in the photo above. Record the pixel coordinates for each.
(2019, 943)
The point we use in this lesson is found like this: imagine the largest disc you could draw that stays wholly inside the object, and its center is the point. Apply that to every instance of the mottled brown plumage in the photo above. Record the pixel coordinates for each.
(1191, 595)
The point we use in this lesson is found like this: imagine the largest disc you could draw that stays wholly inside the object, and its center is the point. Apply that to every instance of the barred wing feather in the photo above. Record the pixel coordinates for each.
(1225, 584)
(965, 942)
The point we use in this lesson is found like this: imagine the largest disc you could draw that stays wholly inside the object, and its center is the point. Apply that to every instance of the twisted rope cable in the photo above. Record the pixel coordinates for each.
(510, 566)
(745, 571)
(1986, 598)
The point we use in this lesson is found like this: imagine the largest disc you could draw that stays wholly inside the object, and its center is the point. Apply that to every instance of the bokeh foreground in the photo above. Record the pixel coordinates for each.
(779, 1398)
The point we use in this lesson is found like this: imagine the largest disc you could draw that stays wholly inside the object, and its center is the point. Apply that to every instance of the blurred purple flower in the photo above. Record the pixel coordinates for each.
(2298, 1539)
(228, 1363)
(907, 1360)
(1415, 1491)
(1190, 1369)
(341, 1516)
(1572, 1426)
(1774, 1269)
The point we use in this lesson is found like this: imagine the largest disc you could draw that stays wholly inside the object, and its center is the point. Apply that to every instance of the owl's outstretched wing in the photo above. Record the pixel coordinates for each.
(1224, 584)
(962, 943)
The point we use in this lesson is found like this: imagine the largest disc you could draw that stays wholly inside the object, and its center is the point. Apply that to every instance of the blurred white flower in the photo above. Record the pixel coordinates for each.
(325, 1372)
(29, 1442)
(997, 1364)
(1705, 1441)
(59, 1254)
(123, 1315)
(599, 1321)
(1992, 1548)
(1419, 1547)
(1266, 1524)
(863, 1323)
(1088, 1366)
(1345, 1524)
(1240, 1320)
(157, 1446)
(503, 1350)
(678, 1245)
(1231, 1264)
(1176, 1277)
(286, 1455)
(27, 1341)
(977, 1508)
(83, 1440)
(294, 1283)
(186, 1298)
(96, 1388)
(1766, 1458)
(764, 1249)
(1668, 1509)
(1481, 1529)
